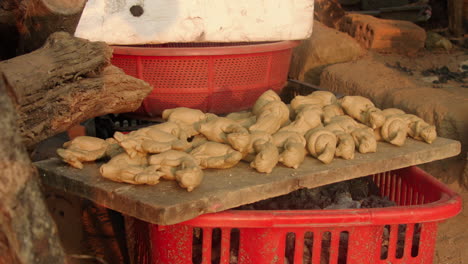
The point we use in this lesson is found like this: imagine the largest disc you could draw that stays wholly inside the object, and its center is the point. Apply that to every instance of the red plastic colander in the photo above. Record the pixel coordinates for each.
(214, 77)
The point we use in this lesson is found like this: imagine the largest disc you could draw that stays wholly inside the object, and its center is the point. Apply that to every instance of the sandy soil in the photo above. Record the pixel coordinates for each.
(453, 233)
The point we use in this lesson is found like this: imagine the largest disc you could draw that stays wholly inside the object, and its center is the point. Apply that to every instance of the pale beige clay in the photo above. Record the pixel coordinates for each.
(216, 155)
(185, 117)
(224, 130)
(263, 137)
(271, 117)
(364, 139)
(134, 170)
(395, 127)
(363, 110)
(419, 129)
(179, 166)
(255, 137)
(321, 144)
(330, 111)
(267, 156)
(318, 98)
(308, 117)
(149, 140)
(86, 149)
(292, 148)
(265, 98)
(243, 118)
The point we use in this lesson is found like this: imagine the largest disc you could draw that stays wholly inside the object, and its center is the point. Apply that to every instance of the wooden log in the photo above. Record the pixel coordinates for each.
(67, 81)
(455, 15)
(36, 20)
(27, 232)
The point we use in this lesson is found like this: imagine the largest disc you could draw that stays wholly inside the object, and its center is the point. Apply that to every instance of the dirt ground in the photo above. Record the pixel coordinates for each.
(452, 235)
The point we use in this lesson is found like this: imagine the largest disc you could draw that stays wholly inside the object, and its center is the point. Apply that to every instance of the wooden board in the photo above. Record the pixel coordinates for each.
(162, 21)
(166, 203)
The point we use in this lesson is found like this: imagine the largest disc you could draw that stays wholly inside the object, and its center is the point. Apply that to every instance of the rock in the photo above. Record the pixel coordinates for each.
(328, 12)
(387, 88)
(326, 46)
(437, 41)
(382, 35)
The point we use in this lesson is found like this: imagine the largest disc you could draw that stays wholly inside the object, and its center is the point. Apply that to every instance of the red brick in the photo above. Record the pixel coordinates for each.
(382, 35)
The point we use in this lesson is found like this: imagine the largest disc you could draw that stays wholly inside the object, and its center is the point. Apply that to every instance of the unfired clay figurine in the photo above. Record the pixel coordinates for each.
(342, 123)
(185, 117)
(271, 117)
(308, 117)
(243, 118)
(364, 139)
(330, 111)
(318, 98)
(363, 110)
(255, 137)
(216, 155)
(267, 156)
(85, 149)
(149, 140)
(123, 168)
(345, 146)
(419, 129)
(224, 130)
(321, 144)
(179, 166)
(291, 146)
(267, 97)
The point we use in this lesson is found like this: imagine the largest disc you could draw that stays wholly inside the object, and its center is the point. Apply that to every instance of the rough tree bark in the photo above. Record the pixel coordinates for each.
(36, 20)
(27, 232)
(43, 93)
(67, 81)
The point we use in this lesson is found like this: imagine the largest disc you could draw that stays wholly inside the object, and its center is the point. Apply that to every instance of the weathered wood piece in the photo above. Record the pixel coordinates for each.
(27, 232)
(166, 203)
(455, 15)
(67, 81)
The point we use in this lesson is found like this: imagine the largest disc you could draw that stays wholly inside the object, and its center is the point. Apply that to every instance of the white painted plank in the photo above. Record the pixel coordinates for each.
(166, 21)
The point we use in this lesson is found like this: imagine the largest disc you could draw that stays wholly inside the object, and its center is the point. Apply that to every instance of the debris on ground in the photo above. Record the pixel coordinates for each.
(445, 75)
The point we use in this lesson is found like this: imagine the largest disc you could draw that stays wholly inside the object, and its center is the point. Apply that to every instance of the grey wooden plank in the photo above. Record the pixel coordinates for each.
(166, 203)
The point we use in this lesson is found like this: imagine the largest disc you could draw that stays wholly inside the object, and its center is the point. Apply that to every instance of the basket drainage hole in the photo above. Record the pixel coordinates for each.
(416, 239)
(326, 244)
(343, 247)
(308, 247)
(197, 239)
(385, 242)
(216, 245)
(290, 246)
(401, 241)
(136, 10)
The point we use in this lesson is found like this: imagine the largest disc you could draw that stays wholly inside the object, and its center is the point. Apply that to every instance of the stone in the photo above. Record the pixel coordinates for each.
(326, 46)
(328, 12)
(437, 41)
(387, 88)
(382, 35)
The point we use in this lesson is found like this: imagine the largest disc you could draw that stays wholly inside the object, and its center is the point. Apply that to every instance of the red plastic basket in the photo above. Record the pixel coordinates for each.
(353, 236)
(212, 77)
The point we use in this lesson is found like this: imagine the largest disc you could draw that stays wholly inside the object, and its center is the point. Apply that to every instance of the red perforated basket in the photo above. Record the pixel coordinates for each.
(213, 77)
(402, 234)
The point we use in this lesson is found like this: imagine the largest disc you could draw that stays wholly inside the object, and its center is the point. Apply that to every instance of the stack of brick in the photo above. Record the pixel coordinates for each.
(386, 36)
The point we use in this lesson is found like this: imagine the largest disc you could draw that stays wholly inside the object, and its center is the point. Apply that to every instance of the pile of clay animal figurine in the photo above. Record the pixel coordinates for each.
(190, 140)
